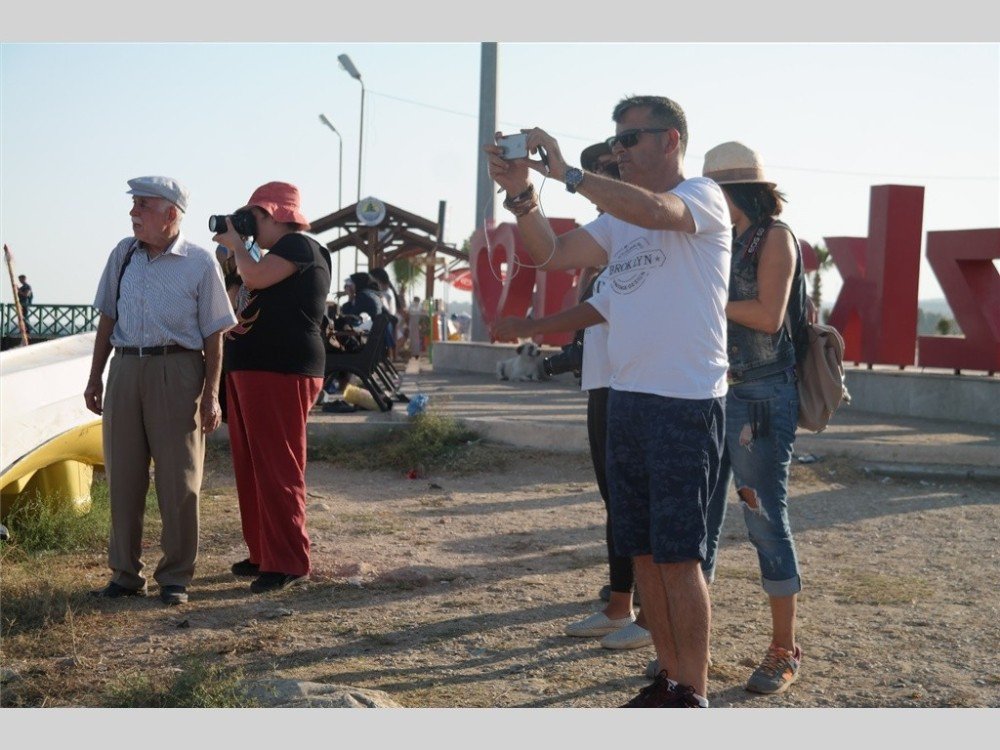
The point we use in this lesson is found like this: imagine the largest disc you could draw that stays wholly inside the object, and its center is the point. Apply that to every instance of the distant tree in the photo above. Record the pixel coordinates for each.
(408, 272)
(944, 326)
(825, 264)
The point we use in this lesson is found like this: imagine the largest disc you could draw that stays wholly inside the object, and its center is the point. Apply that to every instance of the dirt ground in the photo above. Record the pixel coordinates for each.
(452, 591)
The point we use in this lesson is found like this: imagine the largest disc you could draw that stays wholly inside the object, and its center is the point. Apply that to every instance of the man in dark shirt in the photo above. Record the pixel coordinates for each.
(25, 295)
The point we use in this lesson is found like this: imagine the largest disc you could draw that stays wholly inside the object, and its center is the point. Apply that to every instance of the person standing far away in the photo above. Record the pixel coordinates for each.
(666, 241)
(25, 296)
(163, 308)
(391, 303)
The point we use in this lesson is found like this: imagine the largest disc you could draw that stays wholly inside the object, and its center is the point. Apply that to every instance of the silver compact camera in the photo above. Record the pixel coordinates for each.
(514, 146)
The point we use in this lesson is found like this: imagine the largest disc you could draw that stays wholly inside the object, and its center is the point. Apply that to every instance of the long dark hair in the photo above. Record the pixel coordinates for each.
(757, 200)
(380, 274)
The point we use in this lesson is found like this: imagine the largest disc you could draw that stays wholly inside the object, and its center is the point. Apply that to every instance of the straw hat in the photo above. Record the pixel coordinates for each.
(732, 163)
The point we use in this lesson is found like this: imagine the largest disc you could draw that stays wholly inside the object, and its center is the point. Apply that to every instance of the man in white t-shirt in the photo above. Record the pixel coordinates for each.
(666, 242)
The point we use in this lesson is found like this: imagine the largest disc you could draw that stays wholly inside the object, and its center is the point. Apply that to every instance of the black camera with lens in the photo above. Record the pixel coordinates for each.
(243, 222)
(570, 359)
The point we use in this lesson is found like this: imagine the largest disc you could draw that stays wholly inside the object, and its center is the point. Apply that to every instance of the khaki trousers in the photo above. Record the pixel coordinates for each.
(151, 413)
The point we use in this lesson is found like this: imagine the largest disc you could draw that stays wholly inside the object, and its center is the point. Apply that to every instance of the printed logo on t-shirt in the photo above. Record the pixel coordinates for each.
(633, 264)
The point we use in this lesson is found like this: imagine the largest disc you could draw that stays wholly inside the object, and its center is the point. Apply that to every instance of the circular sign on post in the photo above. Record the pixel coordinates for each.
(371, 211)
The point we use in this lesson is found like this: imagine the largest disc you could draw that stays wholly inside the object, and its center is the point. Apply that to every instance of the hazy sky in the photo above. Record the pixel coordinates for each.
(79, 119)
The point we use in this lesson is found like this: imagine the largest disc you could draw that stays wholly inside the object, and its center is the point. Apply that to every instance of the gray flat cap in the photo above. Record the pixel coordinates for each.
(160, 187)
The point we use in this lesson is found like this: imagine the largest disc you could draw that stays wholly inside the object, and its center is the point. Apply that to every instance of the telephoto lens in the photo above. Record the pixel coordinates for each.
(243, 222)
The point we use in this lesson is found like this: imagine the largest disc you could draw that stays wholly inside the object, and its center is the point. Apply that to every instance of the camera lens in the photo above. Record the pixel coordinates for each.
(217, 224)
(569, 359)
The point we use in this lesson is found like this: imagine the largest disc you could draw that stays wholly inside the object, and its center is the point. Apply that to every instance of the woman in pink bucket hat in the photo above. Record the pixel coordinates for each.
(274, 361)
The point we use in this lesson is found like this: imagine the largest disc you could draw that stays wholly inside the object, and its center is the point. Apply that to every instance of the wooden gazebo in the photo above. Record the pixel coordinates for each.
(385, 233)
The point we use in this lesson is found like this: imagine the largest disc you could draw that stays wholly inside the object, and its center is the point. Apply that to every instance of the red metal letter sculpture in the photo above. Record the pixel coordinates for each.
(876, 311)
(963, 264)
(503, 287)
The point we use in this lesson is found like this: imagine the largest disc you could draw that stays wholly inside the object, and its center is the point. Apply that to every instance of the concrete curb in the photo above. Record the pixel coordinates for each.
(933, 471)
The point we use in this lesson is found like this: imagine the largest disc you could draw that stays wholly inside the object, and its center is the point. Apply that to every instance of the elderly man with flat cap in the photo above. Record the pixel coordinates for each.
(164, 309)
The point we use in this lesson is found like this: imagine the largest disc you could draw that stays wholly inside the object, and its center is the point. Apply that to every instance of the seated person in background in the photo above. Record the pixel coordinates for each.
(362, 297)
(463, 325)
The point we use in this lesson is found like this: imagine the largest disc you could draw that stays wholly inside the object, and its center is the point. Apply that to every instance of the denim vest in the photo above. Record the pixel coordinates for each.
(754, 354)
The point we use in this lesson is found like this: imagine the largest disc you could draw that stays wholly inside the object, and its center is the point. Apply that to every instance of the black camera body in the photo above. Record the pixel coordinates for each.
(243, 222)
(570, 359)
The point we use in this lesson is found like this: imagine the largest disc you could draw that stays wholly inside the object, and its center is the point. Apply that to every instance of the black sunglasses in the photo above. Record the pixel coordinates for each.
(628, 138)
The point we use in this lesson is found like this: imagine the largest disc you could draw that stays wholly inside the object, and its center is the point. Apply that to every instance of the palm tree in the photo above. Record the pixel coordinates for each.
(408, 271)
(825, 263)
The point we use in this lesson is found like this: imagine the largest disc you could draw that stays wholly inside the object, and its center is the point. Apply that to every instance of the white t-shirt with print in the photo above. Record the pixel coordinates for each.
(596, 369)
(666, 298)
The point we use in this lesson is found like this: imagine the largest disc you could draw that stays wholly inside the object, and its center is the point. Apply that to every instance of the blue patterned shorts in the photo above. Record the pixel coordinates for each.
(662, 466)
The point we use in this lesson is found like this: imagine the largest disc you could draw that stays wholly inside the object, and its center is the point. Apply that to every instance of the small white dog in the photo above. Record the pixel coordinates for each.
(527, 365)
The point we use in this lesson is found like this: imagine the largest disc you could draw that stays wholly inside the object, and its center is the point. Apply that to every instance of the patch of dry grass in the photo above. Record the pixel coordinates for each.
(865, 587)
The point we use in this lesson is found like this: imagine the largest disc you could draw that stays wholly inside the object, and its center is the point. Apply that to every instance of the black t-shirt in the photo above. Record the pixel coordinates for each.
(279, 330)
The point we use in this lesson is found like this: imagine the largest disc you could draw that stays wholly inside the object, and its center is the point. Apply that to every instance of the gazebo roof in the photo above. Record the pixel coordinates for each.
(400, 233)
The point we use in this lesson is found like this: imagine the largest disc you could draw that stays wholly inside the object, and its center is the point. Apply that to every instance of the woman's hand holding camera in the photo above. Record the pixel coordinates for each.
(230, 239)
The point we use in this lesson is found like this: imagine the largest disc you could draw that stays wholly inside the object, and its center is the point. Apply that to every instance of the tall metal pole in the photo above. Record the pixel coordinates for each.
(361, 135)
(21, 322)
(485, 201)
(340, 179)
(353, 72)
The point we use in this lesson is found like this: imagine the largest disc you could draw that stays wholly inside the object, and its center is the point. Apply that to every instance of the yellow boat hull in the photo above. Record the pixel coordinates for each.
(61, 469)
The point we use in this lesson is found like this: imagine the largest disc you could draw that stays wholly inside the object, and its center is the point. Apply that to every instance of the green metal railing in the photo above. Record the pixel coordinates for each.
(49, 321)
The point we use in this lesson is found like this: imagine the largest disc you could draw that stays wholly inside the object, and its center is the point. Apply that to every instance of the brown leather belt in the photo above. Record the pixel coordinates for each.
(151, 351)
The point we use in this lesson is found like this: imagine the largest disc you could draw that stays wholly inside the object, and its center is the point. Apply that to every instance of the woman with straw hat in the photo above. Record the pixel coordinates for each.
(766, 288)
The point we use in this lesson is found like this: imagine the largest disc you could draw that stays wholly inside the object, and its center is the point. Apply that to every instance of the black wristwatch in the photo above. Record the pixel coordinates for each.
(573, 178)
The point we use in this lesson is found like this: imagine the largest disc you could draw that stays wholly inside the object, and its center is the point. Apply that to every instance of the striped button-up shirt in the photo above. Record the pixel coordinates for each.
(178, 297)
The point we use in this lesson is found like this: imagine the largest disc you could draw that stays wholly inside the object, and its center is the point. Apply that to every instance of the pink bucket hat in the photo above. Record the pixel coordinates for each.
(281, 201)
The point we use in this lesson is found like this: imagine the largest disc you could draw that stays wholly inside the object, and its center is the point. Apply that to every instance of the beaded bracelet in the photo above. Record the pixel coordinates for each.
(528, 195)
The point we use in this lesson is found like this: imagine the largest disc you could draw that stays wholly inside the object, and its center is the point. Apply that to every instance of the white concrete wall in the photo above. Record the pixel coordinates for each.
(470, 356)
(960, 398)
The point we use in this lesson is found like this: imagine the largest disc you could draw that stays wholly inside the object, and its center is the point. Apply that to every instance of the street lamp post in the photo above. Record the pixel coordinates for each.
(340, 177)
(346, 64)
(340, 161)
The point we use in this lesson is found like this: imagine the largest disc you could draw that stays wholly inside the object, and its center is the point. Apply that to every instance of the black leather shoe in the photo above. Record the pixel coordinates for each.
(173, 595)
(268, 582)
(114, 591)
(245, 569)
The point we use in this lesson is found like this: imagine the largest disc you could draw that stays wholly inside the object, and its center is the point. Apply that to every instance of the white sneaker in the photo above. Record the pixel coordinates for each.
(631, 636)
(597, 624)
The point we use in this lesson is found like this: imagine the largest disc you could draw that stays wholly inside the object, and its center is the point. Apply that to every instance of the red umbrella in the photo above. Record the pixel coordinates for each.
(460, 278)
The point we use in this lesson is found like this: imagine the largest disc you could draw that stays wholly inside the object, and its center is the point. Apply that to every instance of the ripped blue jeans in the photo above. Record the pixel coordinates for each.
(761, 416)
